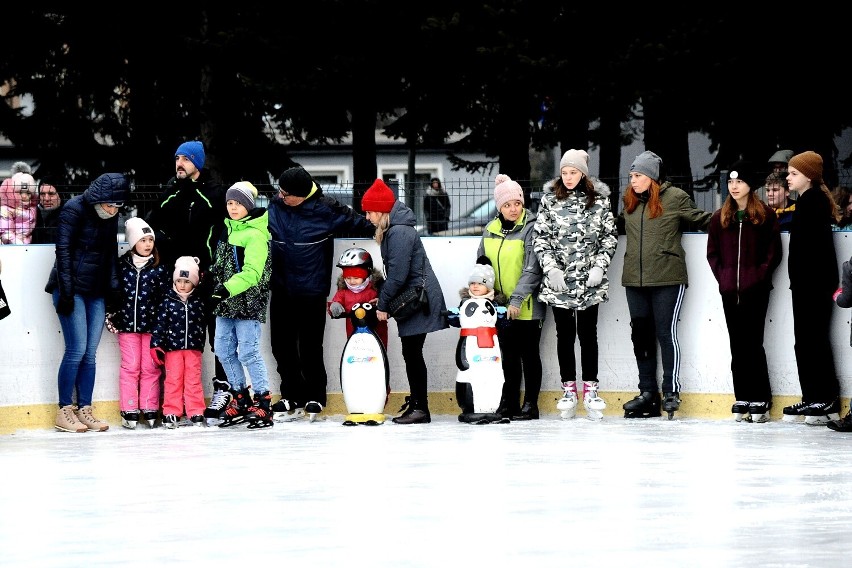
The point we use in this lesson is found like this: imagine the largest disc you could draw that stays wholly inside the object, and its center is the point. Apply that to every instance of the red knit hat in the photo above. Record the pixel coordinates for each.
(378, 198)
(355, 272)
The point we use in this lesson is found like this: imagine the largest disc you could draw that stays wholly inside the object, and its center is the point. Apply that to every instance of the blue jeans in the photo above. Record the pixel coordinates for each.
(237, 343)
(82, 331)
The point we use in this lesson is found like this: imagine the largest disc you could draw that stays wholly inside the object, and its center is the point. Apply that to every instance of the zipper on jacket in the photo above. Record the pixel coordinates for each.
(739, 256)
(641, 244)
(186, 325)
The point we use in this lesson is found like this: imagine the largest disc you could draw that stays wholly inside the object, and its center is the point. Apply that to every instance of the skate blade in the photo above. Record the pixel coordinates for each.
(739, 417)
(297, 414)
(315, 417)
(758, 418)
(821, 420)
(791, 418)
(594, 415)
(567, 414)
(236, 422)
(129, 424)
(258, 424)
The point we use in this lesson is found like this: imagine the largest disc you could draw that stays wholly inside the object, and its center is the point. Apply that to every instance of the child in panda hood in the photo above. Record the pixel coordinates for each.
(479, 382)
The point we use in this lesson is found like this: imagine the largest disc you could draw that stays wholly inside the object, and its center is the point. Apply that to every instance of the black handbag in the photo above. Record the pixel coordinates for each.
(411, 300)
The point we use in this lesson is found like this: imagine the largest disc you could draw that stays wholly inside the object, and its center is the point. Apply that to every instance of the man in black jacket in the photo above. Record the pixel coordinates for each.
(188, 219)
(303, 223)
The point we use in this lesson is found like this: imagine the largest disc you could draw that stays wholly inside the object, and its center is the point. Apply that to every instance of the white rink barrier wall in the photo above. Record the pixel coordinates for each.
(31, 343)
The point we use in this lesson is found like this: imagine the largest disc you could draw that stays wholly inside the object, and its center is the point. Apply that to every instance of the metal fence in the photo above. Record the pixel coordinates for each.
(472, 203)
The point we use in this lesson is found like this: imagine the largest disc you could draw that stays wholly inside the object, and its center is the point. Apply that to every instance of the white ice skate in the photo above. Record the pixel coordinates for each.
(567, 405)
(594, 404)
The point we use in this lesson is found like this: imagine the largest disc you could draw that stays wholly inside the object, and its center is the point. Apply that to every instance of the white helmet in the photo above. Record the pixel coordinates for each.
(356, 258)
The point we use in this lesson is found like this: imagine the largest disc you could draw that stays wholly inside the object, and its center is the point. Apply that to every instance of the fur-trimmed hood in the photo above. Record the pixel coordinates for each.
(500, 299)
(602, 188)
(376, 279)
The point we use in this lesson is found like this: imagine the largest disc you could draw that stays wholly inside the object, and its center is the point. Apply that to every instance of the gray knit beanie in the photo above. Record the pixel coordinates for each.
(647, 163)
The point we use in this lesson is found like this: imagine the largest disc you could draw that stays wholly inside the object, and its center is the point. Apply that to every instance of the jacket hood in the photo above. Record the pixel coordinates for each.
(600, 187)
(107, 188)
(401, 214)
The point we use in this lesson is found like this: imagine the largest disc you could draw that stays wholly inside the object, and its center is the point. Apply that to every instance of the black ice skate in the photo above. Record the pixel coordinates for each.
(644, 405)
(821, 413)
(740, 411)
(313, 410)
(222, 396)
(671, 403)
(237, 409)
(260, 413)
(287, 411)
(758, 412)
(129, 419)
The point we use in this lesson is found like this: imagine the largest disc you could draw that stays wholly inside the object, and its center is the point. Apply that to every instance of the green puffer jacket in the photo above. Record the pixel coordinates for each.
(242, 263)
(654, 255)
(517, 273)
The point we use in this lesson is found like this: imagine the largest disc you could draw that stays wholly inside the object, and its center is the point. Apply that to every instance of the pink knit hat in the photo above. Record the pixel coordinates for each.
(187, 267)
(506, 189)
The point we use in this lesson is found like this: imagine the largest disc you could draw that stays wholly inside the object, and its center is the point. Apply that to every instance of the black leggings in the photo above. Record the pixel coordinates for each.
(570, 324)
(519, 343)
(415, 368)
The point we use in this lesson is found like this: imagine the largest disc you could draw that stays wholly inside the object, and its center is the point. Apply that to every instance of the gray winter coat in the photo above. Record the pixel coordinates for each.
(405, 260)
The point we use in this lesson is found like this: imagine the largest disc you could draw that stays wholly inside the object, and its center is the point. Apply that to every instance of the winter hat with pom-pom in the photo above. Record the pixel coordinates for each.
(506, 189)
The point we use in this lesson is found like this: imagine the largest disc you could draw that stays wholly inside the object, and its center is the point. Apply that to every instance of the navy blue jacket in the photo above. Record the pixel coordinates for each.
(142, 290)
(86, 245)
(303, 242)
(180, 325)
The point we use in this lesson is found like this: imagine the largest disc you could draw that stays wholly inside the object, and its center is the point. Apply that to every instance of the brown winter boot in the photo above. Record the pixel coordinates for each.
(66, 420)
(88, 419)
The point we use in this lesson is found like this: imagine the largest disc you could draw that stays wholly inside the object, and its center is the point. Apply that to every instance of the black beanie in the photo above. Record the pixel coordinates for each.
(296, 182)
(744, 170)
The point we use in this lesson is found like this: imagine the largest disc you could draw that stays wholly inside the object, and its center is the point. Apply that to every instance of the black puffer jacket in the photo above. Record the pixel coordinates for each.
(86, 245)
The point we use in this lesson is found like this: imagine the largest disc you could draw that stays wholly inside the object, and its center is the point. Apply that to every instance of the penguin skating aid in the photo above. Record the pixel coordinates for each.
(364, 370)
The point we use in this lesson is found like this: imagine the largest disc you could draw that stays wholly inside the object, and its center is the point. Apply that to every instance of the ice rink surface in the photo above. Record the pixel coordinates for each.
(685, 492)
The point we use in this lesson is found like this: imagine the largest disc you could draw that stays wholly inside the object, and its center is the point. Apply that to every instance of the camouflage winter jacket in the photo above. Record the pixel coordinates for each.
(574, 239)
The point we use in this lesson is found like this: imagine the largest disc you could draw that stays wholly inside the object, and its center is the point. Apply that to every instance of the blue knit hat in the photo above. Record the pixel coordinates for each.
(194, 152)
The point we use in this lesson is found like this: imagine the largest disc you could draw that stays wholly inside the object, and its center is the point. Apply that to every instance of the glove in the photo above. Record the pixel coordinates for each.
(112, 321)
(158, 356)
(65, 305)
(557, 280)
(595, 276)
(336, 309)
(220, 293)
